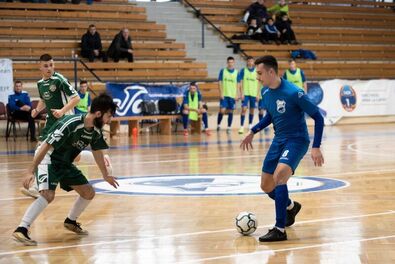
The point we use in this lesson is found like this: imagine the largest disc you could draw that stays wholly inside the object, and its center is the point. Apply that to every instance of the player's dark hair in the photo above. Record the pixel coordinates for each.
(250, 58)
(83, 82)
(18, 81)
(230, 58)
(269, 62)
(45, 57)
(193, 84)
(91, 26)
(291, 60)
(103, 103)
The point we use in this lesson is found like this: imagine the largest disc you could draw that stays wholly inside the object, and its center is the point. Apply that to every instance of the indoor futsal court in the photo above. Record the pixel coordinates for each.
(178, 199)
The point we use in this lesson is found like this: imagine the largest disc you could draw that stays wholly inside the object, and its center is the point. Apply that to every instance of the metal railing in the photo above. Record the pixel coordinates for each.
(204, 19)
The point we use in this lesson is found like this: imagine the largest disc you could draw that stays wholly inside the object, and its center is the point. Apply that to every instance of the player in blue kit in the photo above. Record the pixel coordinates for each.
(285, 106)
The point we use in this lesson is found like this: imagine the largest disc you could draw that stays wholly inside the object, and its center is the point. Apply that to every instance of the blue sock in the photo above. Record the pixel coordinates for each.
(250, 118)
(230, 119)
(242, 118)
(272, 195)
(185, 121)
(281, 196)
(260, 116)
(205, 120)
(219, 119)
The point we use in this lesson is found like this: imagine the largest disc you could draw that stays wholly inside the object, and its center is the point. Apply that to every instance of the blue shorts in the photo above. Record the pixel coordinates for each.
(251, 100)
(287, 151)
(260, 105)
(228, 103)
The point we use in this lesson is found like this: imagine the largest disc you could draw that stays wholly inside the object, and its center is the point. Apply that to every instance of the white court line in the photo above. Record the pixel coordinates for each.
(288, 249)
(352, 147)
(182, 235)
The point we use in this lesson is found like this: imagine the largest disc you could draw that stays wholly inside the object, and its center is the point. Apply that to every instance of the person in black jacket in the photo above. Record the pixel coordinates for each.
(121, 46)
(284, 26)
(91, 47)
(256, 11)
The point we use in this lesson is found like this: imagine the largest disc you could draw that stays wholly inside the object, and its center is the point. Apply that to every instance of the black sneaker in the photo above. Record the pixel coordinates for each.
(21, 234)
(273, 235)
(291, 214)
(75, 227)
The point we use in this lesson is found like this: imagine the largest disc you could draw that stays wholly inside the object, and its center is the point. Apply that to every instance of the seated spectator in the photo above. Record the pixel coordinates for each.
(91, 47)
(253, 32)
(277, 9)
(192, 107)
(256, 11)
(271, 32)
(283, 24)
(85, 101)
(121, 46)
(21, 108)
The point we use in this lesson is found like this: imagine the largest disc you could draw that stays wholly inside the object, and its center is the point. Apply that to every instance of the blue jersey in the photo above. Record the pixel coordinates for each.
(286, 106)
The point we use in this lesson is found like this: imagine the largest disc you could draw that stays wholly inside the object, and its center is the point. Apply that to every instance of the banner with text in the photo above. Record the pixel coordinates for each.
(6, 80)
(129, 96)
(345, 98)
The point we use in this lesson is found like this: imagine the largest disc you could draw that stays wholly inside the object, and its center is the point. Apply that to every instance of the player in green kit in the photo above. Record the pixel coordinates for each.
(64, 142)
(59, 98)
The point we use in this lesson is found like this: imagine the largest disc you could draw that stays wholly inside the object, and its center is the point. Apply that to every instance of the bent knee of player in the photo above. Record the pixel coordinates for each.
(185, 112)
(88, 193)
(48, 195)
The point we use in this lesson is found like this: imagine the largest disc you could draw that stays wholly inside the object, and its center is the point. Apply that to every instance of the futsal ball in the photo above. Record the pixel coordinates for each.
(246, 223)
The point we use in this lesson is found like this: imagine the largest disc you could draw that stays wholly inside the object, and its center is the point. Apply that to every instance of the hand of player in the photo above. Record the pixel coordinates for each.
(34, 113)
(57, 113)
(246, 144)
(317, 157)
(111, 180)
(28, 180)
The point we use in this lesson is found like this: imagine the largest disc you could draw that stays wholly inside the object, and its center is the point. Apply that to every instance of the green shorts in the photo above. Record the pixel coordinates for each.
(48, 176)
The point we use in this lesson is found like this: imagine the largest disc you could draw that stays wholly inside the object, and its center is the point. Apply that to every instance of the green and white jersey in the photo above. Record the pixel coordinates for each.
(56, 93)
(68, 137)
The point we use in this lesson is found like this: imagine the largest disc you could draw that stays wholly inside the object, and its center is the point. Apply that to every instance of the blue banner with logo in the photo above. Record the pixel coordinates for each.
(129, 96)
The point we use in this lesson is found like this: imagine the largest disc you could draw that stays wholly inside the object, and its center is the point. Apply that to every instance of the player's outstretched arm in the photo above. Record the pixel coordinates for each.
(58, 113)
(316, 154)
(44, 148)
(99, 158)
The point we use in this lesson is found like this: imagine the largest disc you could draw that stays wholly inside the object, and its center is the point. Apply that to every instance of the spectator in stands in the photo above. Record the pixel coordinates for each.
(91, 46)
(256, 11)
(279, 8)
(283, 24)
(295, 75)
(85, 99)
(21, 108)
(253, 32)
(271, 32)
(192, 107)
(121, 46)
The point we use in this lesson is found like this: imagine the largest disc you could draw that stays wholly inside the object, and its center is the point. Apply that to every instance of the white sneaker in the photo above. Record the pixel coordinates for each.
(250, 126)
(32, 192)
(241, 130)
(228, 130)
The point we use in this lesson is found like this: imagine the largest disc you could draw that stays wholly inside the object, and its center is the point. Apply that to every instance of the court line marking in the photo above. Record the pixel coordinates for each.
(262, 252)
(389, 212)
(352, 147)
(320, 175)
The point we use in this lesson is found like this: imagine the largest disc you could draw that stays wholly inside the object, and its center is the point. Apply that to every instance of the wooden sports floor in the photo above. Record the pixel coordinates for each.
(179, 196)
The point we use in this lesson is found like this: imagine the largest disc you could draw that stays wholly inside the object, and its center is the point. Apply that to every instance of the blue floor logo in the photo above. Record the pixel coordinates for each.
(209, 185)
